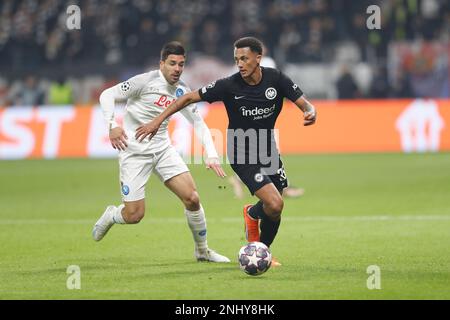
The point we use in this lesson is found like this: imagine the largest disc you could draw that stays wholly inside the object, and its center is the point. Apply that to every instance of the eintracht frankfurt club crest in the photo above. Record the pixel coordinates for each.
(271, 93)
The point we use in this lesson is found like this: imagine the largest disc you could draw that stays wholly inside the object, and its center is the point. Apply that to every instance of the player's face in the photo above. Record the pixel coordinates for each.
(246, 60)
(172, 67)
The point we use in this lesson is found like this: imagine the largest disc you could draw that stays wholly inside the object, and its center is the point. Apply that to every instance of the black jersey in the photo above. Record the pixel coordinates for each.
(252, 108)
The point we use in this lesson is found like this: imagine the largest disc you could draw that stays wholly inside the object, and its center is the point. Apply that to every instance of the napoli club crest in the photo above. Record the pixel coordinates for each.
(125, 189)
(179, 92)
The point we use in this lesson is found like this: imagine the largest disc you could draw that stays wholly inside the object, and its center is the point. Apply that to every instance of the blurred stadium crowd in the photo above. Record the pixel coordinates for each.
(122, 37)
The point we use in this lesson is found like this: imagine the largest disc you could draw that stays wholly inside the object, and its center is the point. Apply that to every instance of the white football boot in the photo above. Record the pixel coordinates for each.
(103, 224)
(210, 255)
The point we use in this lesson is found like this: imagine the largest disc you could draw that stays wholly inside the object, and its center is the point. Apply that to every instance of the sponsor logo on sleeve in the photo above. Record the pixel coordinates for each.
(209, 86)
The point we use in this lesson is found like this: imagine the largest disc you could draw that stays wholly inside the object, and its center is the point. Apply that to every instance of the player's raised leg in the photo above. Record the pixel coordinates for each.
(184, 187)
(135, 171)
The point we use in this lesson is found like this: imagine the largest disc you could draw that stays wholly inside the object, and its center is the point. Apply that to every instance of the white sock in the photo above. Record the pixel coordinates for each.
(117, 215)
(197, 224)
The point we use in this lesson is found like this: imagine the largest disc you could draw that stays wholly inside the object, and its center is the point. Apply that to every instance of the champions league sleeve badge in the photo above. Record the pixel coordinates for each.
(125, 86)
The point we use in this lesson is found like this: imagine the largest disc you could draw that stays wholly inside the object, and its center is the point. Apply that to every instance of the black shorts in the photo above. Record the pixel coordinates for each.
(253, 176)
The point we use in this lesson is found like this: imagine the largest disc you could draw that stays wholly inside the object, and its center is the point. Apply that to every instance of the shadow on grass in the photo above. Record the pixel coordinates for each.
(138, 268)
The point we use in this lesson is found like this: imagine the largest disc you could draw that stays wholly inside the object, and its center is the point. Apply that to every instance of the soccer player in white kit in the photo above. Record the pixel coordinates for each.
(147, 96)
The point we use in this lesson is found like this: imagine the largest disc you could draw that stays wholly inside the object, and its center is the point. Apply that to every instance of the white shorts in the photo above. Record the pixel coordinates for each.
(135, 170)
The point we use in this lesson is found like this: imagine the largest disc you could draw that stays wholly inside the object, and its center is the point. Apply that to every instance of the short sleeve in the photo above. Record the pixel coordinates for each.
(289, 89)
(215, 91)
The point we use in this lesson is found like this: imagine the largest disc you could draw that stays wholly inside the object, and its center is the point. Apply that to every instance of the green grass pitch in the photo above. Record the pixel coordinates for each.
(388, 210)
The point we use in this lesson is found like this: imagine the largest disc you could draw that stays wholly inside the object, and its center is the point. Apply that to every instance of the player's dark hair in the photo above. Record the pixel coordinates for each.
(173, 47)
(254, 44)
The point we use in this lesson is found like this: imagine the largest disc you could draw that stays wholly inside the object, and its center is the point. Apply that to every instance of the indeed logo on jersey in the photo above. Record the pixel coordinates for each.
(257, 112)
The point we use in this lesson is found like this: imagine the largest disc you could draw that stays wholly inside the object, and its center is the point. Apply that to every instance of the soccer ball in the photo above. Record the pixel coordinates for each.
(255, 258)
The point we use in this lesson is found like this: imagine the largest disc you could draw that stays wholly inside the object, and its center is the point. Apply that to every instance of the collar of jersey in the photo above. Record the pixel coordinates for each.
(253, 85)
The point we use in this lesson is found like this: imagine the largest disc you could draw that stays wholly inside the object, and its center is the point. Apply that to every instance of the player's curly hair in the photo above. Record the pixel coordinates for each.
(254, 44)
(173, 47)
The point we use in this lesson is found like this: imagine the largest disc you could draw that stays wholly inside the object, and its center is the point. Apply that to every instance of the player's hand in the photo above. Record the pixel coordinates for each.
(118, 138)
(145, 130)
(214, 164)
(310, 117)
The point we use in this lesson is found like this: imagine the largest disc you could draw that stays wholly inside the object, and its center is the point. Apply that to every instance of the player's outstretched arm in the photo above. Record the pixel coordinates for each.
(152, 127)
(309, 111)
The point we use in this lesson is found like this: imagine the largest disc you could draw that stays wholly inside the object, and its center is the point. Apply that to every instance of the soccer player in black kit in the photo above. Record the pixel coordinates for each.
(253, 98)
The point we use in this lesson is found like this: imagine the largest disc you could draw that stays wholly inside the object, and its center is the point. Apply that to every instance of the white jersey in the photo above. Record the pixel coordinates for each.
(148, 95)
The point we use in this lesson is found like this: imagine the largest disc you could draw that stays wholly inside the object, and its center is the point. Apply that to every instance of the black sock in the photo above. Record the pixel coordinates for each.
(257, 212)
(269, 229)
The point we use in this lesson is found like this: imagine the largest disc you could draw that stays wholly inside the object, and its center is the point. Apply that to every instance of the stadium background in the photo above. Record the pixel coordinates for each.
(325, 46)
(375, 166)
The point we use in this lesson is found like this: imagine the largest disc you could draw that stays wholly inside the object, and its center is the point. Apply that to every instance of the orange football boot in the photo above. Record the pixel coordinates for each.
(251, 226)
(275, 262)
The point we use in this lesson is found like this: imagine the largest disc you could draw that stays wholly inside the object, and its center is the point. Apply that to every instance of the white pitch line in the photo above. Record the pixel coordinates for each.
(236, 219)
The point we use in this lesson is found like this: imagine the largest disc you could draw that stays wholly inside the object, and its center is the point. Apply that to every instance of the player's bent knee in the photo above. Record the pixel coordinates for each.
(275, 207)
(134, 215)
(192, 202)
